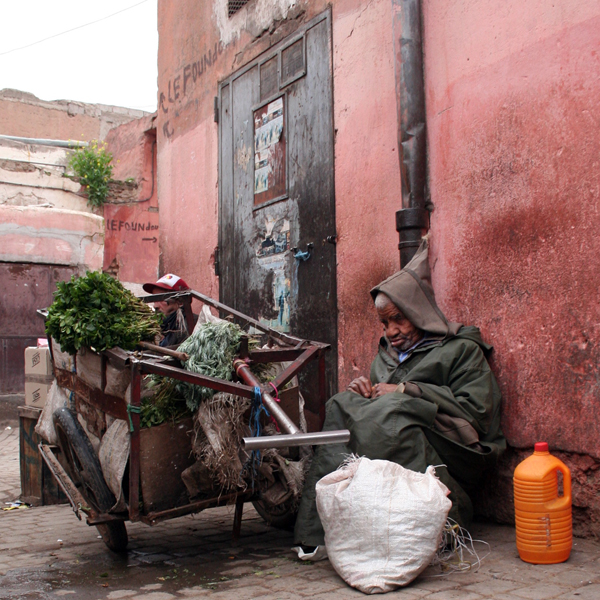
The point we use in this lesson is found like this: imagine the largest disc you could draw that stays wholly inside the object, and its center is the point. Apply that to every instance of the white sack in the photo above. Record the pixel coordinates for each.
(205, 316)
(382, 522)
(117, 380)
(113, 456)
(57, 398)
(62, 360)
(89, 367)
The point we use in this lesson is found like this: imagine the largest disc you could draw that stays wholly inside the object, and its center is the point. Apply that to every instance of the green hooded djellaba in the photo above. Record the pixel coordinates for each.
(448, 415)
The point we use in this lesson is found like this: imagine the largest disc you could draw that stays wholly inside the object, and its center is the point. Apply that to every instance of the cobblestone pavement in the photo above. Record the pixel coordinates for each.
(46, 553)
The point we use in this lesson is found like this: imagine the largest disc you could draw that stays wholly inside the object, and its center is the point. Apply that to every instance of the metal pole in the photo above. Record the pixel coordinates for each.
(339, 436)
(412, 134)
(244, 372)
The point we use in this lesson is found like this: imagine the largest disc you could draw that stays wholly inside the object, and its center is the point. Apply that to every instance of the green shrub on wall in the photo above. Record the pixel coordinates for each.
(92, 165)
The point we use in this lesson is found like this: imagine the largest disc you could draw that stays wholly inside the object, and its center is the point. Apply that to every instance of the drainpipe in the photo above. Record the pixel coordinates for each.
(412, 220)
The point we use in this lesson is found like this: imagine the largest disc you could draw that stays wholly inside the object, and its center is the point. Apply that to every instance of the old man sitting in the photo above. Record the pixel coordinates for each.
(431, 399)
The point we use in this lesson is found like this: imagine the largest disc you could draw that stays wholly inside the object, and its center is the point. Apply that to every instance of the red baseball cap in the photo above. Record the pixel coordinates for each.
(168, 283)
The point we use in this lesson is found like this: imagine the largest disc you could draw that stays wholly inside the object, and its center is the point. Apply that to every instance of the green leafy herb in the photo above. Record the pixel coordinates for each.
(164, 405)
(96, 311)
(211, 348)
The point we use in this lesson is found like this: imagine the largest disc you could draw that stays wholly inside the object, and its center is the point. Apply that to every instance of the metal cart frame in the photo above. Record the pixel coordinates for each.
(282, 348)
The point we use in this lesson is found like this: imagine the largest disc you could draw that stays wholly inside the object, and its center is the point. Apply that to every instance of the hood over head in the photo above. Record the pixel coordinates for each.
(411, 291)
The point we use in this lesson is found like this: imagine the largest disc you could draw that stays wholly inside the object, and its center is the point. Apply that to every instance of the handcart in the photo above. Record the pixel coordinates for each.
(157, 456)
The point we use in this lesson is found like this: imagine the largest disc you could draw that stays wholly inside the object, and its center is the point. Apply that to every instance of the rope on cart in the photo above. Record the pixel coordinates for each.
(257, 407)
(132, 409)
(276, 391)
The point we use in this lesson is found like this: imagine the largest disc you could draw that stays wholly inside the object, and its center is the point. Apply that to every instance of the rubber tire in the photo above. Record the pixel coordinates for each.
(85, 471)
(280, 517)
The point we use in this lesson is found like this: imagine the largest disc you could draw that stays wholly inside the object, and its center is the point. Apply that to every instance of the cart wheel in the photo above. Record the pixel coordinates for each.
(114, 535)
(85, 471)
(282, 516)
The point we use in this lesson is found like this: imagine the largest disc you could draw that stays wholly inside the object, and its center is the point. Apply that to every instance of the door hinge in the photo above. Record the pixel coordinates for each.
(217, 263)
(216, 109)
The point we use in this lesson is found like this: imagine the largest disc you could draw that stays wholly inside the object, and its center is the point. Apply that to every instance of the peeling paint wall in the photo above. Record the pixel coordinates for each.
(513, 107)
(132, 224)
(198, 47)
(33, 175)
(47, 231)
(51, 236)
(255, 18)
(23, 114)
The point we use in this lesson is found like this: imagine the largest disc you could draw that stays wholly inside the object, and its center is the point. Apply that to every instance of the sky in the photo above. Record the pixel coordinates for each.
(108, 59)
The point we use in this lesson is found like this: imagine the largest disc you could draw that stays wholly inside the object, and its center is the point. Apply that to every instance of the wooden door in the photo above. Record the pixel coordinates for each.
(276, 187)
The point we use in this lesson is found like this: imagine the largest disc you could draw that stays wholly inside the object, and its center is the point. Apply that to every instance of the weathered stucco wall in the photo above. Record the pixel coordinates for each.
(131, 218)
(194, 56)
(23, 114)
(367, 174)
(513, 106)
(33, 175)
(51, 236)
(197, 49)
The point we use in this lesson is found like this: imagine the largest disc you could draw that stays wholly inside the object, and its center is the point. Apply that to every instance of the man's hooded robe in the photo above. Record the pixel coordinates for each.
(448, 416)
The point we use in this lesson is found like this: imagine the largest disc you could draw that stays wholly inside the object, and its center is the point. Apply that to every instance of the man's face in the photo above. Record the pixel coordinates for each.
(167, 307)
(401, 333)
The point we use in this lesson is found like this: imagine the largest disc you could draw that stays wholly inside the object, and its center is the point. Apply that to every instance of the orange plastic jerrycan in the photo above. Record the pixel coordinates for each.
(543, 518)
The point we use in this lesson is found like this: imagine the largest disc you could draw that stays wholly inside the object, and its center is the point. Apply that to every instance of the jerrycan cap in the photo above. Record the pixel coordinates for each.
(541, 447)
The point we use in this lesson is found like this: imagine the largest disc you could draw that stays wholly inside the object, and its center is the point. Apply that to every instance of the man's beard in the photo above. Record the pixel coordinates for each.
(406, 344)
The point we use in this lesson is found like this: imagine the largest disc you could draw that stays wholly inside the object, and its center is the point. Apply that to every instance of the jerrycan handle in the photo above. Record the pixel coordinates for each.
(563, 501)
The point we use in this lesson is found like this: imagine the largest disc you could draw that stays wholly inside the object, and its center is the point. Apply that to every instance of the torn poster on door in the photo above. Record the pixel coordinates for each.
(276, 239)
(269, 152)
(281, 289)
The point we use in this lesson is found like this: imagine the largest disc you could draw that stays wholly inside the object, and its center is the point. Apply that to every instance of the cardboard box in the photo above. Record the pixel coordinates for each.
(38, 361)
(36, 393)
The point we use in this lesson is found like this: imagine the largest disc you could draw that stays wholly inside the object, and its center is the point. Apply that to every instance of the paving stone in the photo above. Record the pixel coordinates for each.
(153, 596)
(588, 592)
(282, 595)
(34, 564)
(434, 584)
(455, 595)
(544, 590)
(578, 576)
(194, 592)
(239, 571)
(499, 586)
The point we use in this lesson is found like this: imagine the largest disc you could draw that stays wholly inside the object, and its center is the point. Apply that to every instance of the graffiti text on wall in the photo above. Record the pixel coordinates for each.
(179, 86)
(114, 225)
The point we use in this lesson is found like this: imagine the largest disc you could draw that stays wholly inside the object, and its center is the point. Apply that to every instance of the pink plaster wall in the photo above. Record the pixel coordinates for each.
(24, 115)
(132, 227)
(191, 62)
(25, 120)
(367, 174)
(513, 107)
(366, 163)
(30, 234)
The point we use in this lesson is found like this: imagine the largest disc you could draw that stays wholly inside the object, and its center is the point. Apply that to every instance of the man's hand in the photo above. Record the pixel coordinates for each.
(362, 386)
(379, 389)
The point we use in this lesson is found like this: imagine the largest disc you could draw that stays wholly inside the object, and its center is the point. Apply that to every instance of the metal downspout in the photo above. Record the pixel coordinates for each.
(413, 219)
